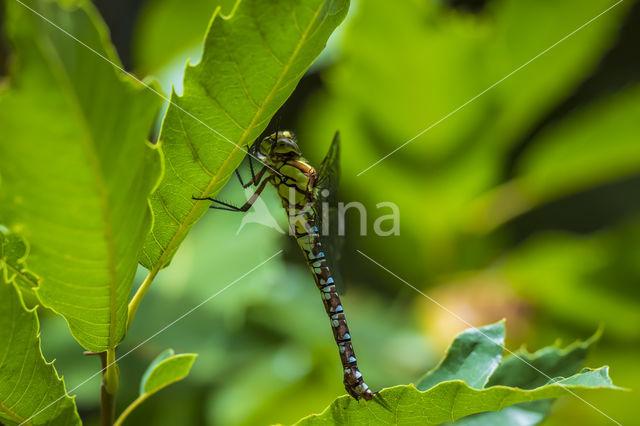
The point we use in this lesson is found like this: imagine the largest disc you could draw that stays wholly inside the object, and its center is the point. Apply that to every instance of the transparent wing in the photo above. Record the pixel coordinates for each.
(329, 172)
(326, 209)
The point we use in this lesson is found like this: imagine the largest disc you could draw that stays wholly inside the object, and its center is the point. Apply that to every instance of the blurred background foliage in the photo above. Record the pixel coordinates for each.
(524, 204)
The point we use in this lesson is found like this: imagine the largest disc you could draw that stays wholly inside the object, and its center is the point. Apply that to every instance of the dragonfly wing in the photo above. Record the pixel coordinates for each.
(326, 209)
(329, 172)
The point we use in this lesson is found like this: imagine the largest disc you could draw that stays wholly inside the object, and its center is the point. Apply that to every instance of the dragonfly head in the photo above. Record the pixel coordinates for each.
(279, 146)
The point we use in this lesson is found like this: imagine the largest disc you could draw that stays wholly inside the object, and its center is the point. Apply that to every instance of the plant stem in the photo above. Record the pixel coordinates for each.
(107, 406)
(129, 409)
(137, 298)
(108, 390)
(112, 373)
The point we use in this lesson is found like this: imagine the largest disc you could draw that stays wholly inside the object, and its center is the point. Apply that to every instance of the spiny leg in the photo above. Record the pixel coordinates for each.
(230, 207)
(222, 206)
(255, 177)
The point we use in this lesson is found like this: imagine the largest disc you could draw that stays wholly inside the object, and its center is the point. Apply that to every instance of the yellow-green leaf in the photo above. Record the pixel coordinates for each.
(251, 63)
(30, 390)
(449, 401)
(166, 369)
(471, 381)
(76, 168)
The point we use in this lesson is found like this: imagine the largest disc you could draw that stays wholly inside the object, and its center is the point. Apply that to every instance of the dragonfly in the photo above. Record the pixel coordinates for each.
(300, 188)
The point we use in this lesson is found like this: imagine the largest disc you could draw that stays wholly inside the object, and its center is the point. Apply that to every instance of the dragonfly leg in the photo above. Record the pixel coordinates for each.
(240, 178)
(255, 178)
(230, 207)
(222, 205)
(253, 174)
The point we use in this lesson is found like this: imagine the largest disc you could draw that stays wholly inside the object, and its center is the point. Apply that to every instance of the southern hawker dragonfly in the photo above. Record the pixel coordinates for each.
(299, 187)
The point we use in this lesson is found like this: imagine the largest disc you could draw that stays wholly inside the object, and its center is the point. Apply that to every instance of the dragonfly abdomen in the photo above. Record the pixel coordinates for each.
(310, 244)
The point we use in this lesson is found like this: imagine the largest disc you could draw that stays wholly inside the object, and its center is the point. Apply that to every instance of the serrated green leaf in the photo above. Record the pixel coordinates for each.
(76, 169)
(28, 384)
(164, 370)
(525, 401)
(251, 63)
(449, 401)
(472, 357)
(519, 370)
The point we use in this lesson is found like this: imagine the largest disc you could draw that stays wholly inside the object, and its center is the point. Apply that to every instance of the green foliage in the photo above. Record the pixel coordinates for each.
(451, 400)
(28, 383)
(526, 370)
(458, 165)
(447, 393)
(594, 145)
(167, 368)
(472, 357)
(522, 204)
(76, 176)
(564, 272)
(256, 70)
(76, 172)
(155, 47)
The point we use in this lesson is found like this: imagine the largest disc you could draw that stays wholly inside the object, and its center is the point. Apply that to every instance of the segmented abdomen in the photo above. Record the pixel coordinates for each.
(307, 236)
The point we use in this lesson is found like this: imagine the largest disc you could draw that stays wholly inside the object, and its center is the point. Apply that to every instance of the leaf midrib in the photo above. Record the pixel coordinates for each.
(51, 54)
(214, 180)
(15, 416)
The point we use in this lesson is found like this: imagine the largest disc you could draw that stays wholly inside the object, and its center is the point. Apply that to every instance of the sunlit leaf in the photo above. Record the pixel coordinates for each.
(450, 400)
(165, 369)
(523, 370)
(251, 63)
(472, 357)
(30, 390)
(76, 169)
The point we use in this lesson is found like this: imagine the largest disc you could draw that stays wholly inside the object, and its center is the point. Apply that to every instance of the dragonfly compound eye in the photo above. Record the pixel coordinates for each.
(285, 146)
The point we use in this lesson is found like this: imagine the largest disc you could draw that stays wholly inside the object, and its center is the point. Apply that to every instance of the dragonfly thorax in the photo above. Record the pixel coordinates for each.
(291, 174)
